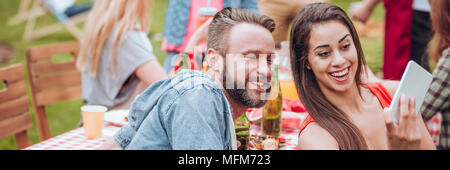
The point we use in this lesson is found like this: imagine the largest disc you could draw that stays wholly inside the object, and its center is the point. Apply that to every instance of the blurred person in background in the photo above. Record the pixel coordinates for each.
(181, 23)
(116, 57)
(437, 99)
(397, 39)
(283, 12)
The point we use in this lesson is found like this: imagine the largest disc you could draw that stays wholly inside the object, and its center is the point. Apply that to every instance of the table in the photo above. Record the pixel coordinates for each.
(75, 139)
(290, 128)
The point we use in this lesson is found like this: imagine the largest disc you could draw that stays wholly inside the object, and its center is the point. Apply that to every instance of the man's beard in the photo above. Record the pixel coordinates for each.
(242, 96)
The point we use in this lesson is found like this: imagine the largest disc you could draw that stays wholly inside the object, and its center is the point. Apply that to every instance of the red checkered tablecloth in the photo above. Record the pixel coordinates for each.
(434, 127)
(75, 140)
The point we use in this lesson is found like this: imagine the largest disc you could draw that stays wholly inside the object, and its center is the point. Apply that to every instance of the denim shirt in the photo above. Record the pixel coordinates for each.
(186, 112)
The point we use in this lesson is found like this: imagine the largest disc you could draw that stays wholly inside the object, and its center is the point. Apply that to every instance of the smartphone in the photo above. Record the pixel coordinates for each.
(414, 83)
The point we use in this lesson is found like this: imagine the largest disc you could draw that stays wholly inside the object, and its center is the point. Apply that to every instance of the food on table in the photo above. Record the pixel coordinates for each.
(270, 144)
(261, 142)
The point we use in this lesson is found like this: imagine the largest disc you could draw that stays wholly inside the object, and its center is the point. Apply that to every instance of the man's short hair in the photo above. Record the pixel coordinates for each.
(223, 22)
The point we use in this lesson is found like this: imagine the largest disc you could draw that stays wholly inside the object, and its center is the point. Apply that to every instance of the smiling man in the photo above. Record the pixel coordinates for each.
(195, 110)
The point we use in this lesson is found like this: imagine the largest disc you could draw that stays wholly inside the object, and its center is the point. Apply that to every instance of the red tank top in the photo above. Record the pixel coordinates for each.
(377, 89)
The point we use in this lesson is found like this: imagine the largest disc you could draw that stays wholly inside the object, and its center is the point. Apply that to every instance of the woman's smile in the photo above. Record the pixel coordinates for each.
(340, 75)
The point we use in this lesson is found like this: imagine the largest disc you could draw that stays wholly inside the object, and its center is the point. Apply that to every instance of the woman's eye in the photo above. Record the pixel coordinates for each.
(346, 46)
(323, 54)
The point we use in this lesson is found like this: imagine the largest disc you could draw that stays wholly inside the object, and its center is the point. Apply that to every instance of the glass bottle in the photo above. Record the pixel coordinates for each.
(242, 126)
(271, 119)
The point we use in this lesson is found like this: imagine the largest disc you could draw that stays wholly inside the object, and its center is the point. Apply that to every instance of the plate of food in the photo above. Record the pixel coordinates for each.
(117, 117)
(261, 142)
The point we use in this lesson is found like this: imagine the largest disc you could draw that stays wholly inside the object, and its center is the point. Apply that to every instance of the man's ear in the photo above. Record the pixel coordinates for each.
(213, 60)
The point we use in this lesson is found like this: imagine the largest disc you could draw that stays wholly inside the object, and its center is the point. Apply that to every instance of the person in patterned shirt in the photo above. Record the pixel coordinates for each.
(437, 99)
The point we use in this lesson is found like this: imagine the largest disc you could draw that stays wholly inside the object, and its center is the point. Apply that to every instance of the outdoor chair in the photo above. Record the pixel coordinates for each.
(14, 116)
(38, 10)
(52, 82)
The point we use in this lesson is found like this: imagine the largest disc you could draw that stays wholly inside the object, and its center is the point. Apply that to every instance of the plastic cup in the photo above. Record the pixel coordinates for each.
(93, 116)
(205, 14)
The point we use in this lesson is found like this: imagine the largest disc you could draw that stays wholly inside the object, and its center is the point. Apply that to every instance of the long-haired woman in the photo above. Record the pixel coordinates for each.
(437, 99)
(345, 111)
(116, 58)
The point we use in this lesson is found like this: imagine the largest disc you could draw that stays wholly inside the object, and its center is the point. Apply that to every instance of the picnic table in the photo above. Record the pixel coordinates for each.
(76, 140)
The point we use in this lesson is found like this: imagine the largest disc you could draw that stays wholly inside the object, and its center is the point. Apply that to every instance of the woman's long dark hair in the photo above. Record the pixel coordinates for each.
(327, 115)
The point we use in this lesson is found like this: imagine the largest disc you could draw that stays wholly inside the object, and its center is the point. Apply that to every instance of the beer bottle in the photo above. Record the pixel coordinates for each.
(242, 126)
(271, 119)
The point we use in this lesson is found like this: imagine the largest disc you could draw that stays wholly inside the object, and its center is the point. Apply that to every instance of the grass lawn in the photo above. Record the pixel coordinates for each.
(65, 116)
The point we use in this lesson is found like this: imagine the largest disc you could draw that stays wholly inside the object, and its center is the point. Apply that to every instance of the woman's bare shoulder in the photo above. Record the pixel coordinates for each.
(390, 85)
(314, 137)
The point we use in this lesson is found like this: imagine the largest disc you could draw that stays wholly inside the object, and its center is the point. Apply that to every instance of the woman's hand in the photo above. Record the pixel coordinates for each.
(199, 37)
(361, 11)
(406, 135)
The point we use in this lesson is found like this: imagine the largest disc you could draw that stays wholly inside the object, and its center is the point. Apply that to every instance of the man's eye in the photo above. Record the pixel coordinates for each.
(250, 56)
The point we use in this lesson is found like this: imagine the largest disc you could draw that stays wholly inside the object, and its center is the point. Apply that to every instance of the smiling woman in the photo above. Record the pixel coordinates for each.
(345, 113)
(315, 58)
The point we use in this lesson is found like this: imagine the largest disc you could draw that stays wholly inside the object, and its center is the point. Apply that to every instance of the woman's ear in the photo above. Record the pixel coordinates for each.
(307, 65)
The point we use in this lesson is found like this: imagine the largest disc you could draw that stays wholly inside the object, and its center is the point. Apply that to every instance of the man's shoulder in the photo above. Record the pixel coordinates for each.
(186, 85)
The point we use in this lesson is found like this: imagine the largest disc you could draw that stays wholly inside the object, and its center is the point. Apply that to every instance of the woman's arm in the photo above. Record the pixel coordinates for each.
(199, 36)
(362, 10)
(150, 72)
